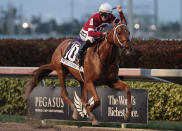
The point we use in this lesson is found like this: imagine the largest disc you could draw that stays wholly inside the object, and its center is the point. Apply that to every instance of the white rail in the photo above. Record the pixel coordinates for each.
(164, 75)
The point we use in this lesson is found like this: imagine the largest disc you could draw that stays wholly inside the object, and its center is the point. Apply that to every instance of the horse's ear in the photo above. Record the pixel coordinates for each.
(123, 22)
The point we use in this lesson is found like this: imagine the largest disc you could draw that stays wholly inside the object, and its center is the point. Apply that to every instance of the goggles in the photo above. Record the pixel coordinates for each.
(106, 15)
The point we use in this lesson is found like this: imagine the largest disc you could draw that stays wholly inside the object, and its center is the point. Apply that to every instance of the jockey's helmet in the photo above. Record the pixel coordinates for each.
(105, 9)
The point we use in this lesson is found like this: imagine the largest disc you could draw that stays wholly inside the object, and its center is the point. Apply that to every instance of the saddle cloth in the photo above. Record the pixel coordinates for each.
(69, 57)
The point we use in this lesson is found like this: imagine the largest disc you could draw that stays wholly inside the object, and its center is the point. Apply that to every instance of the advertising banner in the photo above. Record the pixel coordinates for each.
(46, 103)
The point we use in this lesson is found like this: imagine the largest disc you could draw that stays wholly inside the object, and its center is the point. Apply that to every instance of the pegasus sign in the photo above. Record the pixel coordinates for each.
(79, 106)
(46, 103)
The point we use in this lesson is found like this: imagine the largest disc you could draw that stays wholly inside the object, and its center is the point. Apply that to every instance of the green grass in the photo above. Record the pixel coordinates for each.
(163, 125)
(12, 118)
(160, 125)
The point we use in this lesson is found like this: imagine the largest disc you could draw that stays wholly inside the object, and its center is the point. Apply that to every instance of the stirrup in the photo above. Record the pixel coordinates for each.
(78, 56)
(79, 60)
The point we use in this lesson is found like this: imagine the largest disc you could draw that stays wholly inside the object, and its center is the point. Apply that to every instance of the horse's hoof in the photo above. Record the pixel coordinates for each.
(75, 115)
(93, 119)
(95, 123)
(127, 117)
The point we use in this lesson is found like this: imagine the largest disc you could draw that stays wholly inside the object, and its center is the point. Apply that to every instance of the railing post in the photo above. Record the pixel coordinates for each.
(123, 125)
(43, 83)
(43, 122)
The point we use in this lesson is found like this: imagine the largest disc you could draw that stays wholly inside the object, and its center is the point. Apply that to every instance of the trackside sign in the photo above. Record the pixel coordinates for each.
(46, 103)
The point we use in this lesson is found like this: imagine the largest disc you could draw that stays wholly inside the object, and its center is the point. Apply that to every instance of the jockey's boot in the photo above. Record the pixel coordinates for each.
(82, 49)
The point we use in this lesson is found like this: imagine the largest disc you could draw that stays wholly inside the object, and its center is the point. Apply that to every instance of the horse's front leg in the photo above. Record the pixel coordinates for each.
(89, 108)
(121, 85)
(84, 94)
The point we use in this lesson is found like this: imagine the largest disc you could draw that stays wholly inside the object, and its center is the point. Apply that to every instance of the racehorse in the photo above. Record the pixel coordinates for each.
(101, 66)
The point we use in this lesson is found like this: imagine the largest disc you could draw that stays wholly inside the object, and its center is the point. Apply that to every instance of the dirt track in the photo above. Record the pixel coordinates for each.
(24, 127)
(36, 127)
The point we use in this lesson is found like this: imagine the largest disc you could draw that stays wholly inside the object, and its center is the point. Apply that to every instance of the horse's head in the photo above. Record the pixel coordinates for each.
(120, 36)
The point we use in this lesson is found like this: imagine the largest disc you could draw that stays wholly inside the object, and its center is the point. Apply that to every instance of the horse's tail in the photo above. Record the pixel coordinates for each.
(38, 75)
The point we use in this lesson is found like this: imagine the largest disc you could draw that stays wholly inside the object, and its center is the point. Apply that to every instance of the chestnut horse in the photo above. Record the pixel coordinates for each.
(101, 66)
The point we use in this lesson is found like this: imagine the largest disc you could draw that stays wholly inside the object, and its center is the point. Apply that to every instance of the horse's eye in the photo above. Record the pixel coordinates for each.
(119, 33)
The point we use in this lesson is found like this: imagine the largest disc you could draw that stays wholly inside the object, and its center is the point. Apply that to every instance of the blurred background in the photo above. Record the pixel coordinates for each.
(147, 19)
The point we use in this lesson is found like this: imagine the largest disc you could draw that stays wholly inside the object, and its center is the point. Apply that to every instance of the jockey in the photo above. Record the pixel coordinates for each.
(94, 27)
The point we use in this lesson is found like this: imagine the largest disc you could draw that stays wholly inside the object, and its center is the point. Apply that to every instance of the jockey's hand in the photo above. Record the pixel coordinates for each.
(104, 33)
(119, 8)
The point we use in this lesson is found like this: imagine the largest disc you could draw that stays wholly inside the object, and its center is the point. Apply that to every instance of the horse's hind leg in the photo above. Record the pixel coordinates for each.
(64, 94)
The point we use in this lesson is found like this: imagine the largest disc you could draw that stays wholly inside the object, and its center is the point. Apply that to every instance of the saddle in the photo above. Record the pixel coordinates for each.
(69, 57)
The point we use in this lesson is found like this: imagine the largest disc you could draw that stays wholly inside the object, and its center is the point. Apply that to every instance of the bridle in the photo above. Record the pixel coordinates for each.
(115, 35)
